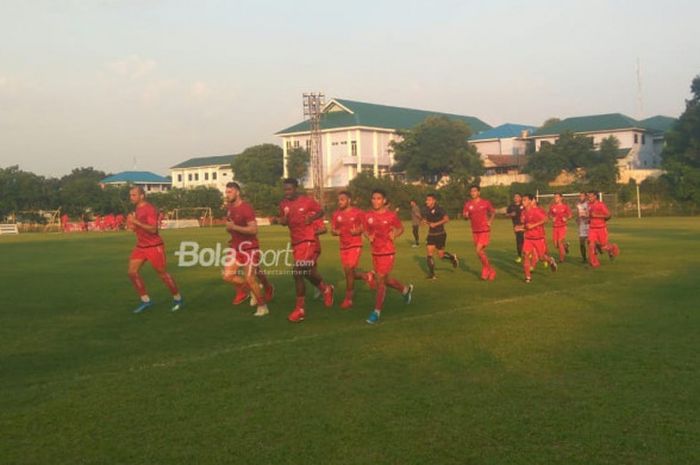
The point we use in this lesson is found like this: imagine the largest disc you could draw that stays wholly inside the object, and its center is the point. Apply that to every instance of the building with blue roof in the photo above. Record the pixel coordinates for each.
(506, 139)
(151, 182)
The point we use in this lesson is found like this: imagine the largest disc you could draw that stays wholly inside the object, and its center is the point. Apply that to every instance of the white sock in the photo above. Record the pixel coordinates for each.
(145, 299)
(177, 297)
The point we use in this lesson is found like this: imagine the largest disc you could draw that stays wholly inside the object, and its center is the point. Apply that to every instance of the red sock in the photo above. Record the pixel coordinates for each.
(562, 251)
(526, 266)
(300, 302)
(394, 283)
(381, 292)
(484, 260)
(170, 282)
(139, 285)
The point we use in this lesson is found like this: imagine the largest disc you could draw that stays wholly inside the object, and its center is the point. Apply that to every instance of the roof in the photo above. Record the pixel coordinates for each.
(341, 113)
(205, 161)
(134, 177)
(658, 123)
(504, 131)
(593, 123)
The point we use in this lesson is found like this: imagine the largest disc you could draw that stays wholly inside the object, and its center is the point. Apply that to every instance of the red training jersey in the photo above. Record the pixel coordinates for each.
(378, 226)
(241, 215)
(597, 208)
(478, 211)
(558, 212)
(297, 212)
(344, 221)
(534, 215)
(147, 214)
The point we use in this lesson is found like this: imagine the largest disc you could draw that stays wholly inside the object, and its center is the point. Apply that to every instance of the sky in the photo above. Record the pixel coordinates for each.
(129, 84)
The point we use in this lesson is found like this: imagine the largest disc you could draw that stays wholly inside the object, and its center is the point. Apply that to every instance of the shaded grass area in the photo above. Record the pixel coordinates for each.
(580, 366)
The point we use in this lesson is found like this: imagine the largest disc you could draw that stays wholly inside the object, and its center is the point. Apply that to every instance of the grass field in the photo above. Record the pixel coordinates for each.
(579, 367)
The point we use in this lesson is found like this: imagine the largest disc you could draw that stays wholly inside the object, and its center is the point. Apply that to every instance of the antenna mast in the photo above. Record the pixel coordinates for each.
(313, 104)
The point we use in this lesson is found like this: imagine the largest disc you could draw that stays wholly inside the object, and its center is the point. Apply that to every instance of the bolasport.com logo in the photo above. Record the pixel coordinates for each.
(279, 261)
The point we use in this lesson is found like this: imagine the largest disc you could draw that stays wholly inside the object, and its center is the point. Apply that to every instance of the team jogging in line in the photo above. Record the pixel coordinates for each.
(380, 227)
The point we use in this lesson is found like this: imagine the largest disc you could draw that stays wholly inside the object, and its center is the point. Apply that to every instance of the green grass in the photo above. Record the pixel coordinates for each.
(579, 367)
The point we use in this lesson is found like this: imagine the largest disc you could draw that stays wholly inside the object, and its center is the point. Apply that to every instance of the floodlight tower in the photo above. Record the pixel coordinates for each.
(313, 104)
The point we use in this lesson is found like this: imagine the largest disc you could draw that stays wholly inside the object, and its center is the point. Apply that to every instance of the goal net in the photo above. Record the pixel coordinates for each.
(545, 199)
(192, 217)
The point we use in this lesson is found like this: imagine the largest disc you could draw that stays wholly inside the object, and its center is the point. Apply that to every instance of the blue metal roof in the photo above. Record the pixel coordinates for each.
(504, 131)
(140, 177)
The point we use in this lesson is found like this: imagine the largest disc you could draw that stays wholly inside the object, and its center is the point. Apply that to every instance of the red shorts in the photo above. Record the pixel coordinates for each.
(155, 255)
(383, 264)
(243, 257)
(305, 253)
(481, 238)
(559, 233)
(537, 246)
(350, 258)
(598, 236)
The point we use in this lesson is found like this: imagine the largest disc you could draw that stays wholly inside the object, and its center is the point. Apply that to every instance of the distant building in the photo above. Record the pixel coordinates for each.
(506, 139)
(214, 171)
(356, 137)
(150, 182)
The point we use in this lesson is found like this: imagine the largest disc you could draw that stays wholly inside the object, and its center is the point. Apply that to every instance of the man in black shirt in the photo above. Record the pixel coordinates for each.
(515, 211)
(435, 217)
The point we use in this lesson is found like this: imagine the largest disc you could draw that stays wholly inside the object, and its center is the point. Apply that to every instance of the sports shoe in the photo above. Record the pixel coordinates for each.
(373, 317)
(371, 280)
(347, 304)
(253, 300)
(408, 295)
(177, 304)
(545, 264)
(552, 264)
(518, 259)
(431, 277)
(328, 295)
(455, 261)
(317, 293)
(241, 297)
(143, 307)
(413, 246)
(261, 311)
(613, 251)
(492, 274)
(297, 315)
(528, 280)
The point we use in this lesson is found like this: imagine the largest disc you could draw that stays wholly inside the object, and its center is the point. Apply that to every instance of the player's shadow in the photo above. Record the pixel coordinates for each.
(444, 266)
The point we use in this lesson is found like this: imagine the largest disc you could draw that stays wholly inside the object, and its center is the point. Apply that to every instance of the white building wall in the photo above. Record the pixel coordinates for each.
(188, 178)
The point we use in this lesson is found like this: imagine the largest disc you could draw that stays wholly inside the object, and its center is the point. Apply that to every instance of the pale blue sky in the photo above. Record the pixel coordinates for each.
(105, 82)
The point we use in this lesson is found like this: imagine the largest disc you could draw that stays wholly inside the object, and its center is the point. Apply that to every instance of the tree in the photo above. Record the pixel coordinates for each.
(22, 190)
(80, 191)
(435, 148)
(681, 156)
(298, 163)
(550, 122)
(602, 172)
(259, 164)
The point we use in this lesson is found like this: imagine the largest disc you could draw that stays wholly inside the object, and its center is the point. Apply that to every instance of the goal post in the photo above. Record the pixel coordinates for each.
(571, 199)
(187, 216)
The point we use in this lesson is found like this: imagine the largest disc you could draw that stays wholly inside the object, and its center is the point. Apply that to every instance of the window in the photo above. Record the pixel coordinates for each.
(644, 139)
(636, 138)
(189, 177)
(206, 176)
(353, 148)
(296, 144)
(196, 176)
(213, 176)
(289, 145)
(308, 144)
(179, 178)
(344, 142)
(148, 187)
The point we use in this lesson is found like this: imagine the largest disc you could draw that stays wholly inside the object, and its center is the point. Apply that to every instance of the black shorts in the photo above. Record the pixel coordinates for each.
(437, 240)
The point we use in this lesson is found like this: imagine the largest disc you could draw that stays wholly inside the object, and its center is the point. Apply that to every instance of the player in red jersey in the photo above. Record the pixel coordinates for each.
(245, 251)
(560, 213)
(381, 227)
(149, 247)
(481, 214)
(532, 223)
(346, 223)
(598, 215)
(298, 212)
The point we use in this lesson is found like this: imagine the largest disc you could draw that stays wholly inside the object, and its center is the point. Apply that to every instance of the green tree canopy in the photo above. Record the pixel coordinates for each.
(298, 163)
(435, 148)
(681, 156)
(259, 164)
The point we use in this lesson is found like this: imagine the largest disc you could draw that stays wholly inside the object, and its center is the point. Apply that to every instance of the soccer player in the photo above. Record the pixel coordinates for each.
(598, 230)
(416, 219)
(534, 245)
(481, 214)
(149, 247)
(515, 212)
(582, 221)
(381, 227)
(298, 212)
(245, 251)
(435, 217)
(346, 223)
(560, 213)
